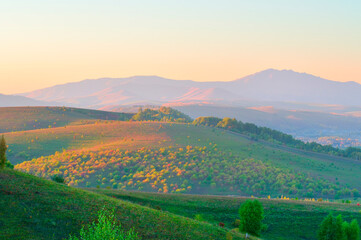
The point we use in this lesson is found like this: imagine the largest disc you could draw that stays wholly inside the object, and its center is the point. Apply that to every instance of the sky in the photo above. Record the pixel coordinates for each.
(47, 42)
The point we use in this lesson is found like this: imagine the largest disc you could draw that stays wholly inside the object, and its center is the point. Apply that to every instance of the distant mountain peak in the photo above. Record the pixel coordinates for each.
(271, 84)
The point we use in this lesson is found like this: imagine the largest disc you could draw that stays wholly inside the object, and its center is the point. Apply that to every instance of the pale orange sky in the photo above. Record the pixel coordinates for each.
(44, 43)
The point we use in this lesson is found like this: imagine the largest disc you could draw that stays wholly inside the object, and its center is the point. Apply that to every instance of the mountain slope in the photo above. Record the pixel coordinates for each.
(41, 209)
(268, 85)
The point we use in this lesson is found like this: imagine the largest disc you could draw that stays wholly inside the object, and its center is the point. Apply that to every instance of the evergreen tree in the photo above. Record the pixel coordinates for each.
(251, 214)
(326, 231)
(332, 228)
(352, 230)
(3, 149)
(340, 231)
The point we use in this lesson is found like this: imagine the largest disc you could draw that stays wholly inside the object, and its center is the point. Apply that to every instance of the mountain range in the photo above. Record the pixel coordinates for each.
(297, 103)
(266, 86)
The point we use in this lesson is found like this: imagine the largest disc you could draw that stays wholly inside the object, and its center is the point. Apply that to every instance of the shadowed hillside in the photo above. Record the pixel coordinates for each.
(40, 209)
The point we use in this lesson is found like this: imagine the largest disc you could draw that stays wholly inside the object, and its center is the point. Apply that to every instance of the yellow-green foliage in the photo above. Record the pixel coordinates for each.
(190, 169)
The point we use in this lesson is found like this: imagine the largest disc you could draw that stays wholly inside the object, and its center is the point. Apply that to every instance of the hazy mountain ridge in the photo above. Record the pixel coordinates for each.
(269, 85)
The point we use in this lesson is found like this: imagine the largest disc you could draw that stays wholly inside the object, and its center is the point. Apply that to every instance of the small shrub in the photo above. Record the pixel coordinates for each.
(106, 229)
(158, 208)
(58, 178)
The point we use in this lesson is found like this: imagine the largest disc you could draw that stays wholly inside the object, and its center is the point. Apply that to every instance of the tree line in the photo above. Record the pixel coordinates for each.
(165, 114)
(267, 134)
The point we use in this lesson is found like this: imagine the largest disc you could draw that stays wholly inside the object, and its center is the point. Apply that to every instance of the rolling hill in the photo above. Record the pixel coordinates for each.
(170, 157)
(285, 218)
(41, 209)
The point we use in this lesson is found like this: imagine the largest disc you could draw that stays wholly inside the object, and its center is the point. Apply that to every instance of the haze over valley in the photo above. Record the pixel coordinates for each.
(308, 107)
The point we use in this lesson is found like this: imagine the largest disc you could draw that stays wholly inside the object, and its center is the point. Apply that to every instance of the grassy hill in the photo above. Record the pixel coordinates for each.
(34, 208)
(26, 145)
(286, 219)
(136, 156)
(28, 118)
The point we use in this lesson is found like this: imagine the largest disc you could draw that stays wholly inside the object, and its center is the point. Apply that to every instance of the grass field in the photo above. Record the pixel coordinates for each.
(286, 219)
(34, 208)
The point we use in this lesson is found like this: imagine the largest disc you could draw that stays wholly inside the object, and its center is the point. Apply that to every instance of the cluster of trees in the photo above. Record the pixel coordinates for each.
(190, 169)
(3, 160)
(165, 114)
(275, 136)
(335, 228)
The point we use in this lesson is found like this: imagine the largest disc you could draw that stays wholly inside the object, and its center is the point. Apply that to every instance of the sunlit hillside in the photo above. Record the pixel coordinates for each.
(170, 157)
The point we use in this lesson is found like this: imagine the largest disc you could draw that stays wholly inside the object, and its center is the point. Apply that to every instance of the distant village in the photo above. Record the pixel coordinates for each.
(335, 141)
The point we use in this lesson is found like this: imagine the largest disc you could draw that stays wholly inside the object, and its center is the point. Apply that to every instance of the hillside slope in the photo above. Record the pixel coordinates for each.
(286, 219)
(170, 157)
(40, 209)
